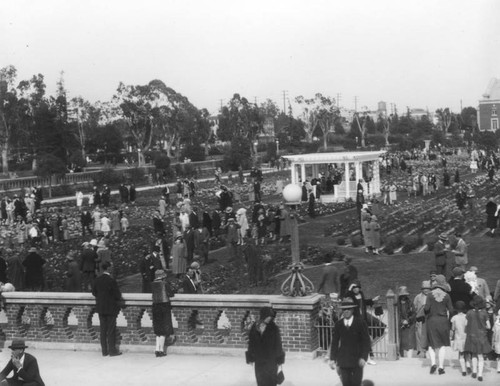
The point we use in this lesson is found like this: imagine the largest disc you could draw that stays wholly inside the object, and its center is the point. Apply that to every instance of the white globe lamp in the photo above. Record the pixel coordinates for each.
(292, 194)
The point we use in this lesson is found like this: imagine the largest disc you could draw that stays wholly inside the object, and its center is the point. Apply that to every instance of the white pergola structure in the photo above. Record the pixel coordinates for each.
(307, 166)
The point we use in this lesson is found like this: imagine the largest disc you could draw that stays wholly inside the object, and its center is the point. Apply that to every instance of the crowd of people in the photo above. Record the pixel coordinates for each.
(460, 312)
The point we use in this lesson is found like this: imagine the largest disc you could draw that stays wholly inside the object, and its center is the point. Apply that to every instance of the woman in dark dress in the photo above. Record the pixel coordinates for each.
(477, 342)
(162, 312)
(265, 348)
(33, 264)
(491, 215)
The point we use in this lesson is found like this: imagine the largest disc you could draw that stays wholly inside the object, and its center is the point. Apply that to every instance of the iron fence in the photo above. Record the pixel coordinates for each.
(378, 327)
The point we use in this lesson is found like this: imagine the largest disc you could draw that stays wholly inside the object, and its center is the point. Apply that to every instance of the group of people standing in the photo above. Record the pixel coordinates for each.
(459, 312)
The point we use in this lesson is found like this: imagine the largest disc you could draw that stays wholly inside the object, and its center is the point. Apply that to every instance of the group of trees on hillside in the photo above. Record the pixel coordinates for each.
(52, 132)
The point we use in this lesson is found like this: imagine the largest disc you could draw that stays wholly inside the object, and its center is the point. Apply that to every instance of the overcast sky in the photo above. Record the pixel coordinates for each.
(425, 53)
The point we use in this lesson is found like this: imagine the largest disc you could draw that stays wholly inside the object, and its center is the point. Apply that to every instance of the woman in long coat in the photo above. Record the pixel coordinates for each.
(406, 321)
(115, 221)
(73, 274)
(285, 223)
(438, 308)
(375, 234)
(179, 255)
(367, 234)
(265, 348)
(33, 264)
(15, 271)
(162, 312)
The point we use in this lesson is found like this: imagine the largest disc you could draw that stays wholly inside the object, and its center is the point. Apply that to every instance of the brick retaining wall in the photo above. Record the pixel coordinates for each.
(62, 320)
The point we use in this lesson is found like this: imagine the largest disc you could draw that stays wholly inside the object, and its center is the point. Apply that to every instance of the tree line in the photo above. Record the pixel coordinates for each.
(50, 132)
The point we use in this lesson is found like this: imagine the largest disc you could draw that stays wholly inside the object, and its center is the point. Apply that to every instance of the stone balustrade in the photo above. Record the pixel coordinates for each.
(68, 320)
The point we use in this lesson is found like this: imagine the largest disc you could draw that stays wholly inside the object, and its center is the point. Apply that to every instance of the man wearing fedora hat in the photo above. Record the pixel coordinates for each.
(23, 365)
(350, 345)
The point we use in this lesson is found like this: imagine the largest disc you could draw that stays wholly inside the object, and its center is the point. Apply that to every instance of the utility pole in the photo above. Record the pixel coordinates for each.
(355, 103)
(339, 97)
(221, 100)
(255, 100)
(284, 99)
(461, 108)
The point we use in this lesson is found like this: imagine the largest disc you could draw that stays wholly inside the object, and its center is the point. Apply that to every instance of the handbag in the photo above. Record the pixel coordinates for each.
(280, 377)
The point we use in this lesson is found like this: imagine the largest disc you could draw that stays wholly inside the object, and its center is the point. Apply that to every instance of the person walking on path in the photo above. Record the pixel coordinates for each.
(356, 294)
(458, 325)
(438, 308)
(349, 274)
(495, 340)
(477, 341)
(406, 321)
(350, 345)
(330, 281)
(460, 290)
(265, 349)
(162, 312)
(420, 327)
(108, 300)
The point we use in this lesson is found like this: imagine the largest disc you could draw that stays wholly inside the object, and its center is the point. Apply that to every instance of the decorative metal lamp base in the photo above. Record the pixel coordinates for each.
(297, 284)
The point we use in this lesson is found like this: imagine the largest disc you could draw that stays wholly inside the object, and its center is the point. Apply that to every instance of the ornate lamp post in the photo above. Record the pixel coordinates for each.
(296, 284)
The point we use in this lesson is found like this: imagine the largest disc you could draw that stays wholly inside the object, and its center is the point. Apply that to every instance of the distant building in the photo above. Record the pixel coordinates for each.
(214, 122)
(418, 114)
(488, 106)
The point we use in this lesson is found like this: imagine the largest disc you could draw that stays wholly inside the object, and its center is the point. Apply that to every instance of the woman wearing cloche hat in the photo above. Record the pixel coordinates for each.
(420, 328)
(265, 348)
(162, 312)
(406, 321)
(438, 308)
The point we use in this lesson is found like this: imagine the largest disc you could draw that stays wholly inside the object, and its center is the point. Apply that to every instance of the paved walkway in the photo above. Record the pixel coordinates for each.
(77, 368)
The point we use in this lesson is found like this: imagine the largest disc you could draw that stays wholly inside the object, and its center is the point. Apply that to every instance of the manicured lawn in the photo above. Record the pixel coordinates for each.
(378, 274)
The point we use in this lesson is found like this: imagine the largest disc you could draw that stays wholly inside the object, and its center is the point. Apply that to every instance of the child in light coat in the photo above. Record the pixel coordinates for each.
(458, 324)
(495, 341)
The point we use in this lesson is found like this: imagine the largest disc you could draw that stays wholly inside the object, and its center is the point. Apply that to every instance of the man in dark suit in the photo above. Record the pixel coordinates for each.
(350, 345)
(88, 260)
(24, 366)
(108, 299)
(330, 280)
(188, 284)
